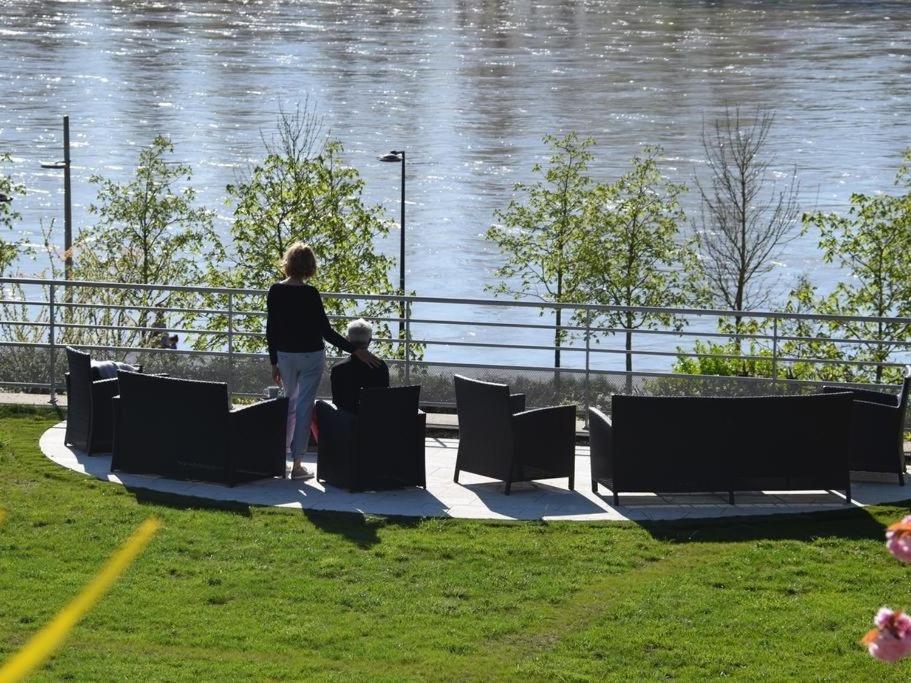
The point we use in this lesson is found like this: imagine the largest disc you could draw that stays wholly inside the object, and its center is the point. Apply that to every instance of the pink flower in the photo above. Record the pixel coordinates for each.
(891, 639)
(898, 539)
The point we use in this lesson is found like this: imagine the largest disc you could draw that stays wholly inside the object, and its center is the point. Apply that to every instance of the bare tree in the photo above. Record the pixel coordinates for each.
(746, 218)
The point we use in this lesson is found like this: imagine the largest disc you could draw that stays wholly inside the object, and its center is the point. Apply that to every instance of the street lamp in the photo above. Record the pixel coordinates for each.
(67, 202)
(399, 156)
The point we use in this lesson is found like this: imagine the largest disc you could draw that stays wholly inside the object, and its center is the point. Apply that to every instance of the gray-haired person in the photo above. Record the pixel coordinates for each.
(352, 374)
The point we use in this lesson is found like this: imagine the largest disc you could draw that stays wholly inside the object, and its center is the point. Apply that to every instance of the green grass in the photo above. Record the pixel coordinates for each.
(261, 594)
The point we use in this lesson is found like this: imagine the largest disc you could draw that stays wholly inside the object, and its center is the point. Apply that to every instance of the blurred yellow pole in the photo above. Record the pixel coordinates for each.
(48, 639)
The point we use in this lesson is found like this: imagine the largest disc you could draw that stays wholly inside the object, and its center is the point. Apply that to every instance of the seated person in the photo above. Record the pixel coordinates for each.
(352, 374)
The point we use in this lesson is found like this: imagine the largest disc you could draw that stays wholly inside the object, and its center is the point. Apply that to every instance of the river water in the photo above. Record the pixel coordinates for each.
(467, 88)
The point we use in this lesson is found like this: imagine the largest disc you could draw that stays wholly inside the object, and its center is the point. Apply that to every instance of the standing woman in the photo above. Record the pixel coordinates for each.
(295, 329)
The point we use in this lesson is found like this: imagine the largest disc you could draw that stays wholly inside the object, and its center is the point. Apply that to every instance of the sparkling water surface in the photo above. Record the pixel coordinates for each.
(468, 89)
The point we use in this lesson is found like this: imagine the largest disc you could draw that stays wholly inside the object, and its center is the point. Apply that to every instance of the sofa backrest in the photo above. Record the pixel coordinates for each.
(670, 443)
(714, 444)
(183, 422)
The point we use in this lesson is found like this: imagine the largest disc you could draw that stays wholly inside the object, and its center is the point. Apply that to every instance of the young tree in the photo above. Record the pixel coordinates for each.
(872, 244)
(746, 219)
(539, 231)
(9, 189)
(633, 254)
(149, 231)
(303, 190)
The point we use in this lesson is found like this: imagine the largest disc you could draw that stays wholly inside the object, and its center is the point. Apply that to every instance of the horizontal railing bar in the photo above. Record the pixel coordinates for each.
(496, 303)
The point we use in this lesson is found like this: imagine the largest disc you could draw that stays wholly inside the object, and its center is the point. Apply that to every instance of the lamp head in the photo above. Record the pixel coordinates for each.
(53, 164)
(391, 156)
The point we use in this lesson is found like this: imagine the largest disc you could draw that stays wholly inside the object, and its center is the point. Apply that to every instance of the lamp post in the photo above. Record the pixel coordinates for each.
(67, 201)
(399, 156)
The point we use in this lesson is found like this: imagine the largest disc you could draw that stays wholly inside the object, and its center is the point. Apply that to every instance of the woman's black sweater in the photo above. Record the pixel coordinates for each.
(297, 321)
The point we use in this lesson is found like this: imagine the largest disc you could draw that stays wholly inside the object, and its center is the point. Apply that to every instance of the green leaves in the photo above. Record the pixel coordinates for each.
(303, 191)
(149, 231)
(9, 189)
(569, 239)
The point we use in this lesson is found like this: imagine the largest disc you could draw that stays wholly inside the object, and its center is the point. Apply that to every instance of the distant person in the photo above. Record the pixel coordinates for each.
(169, 341)
(295, 329)
(352, 374)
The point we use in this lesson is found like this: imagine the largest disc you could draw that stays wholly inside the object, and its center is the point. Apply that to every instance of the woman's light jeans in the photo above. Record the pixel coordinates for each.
(301, 373)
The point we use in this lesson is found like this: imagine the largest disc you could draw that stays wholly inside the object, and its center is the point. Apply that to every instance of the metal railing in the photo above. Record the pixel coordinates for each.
(512, 341)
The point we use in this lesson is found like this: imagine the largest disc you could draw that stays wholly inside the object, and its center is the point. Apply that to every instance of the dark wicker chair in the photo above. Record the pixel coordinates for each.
(877, 429)
(185, 429)
(498, 438)
(685, 444)
(382, 447)
(89, 414)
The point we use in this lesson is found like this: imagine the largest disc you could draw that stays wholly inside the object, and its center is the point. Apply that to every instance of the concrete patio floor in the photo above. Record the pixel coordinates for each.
(477, 497)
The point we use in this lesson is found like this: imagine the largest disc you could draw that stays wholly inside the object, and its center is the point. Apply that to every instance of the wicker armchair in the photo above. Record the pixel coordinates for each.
(381, 447)
(877, 429)
(185, 429)
(498, 438)
(89, 421)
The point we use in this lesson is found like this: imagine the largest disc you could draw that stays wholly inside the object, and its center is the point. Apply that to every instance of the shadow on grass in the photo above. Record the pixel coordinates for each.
(360, 529)
(181, 502)
(852, 524)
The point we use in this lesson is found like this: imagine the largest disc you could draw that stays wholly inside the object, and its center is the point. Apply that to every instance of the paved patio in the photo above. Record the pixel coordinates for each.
(476, 497)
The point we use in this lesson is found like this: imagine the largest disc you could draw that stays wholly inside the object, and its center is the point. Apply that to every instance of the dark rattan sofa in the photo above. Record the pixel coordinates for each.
(498, 438)
(382, 447)
(703, 444)
(186, 429)
(877, 429)
(89, 421)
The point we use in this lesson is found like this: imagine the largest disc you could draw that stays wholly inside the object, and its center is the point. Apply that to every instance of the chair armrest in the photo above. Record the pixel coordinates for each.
(863, 413)
(601, 443)
(257, 438)
(868, 395)
(256, 411)
(104, 389)
(545, 438)
(516, 403)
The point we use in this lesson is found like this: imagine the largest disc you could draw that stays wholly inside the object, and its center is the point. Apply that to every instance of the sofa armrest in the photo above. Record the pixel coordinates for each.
(516, 403)
(601, 446)
(868, 395)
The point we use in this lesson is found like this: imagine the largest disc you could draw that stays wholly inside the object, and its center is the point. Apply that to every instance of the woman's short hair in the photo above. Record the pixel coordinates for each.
(360, 332)
(299, 261)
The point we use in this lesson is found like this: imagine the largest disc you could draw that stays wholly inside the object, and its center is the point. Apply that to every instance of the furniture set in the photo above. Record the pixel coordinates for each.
(186, 429)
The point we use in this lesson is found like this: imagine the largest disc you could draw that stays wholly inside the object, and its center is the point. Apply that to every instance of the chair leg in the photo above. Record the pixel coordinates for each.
(456, 477)
(848, 493)
(616, 499)
(730, 497)
(901, 478)
(594, 486)
(572, 482)
(508, 485)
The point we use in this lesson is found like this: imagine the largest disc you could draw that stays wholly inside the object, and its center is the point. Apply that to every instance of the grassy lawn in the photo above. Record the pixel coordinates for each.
(261, 594)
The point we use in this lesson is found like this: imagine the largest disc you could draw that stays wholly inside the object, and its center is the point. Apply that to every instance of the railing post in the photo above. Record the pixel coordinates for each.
(407, 342)
(230, 341)
(775, 352)
(52, 342)
(588, 335)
